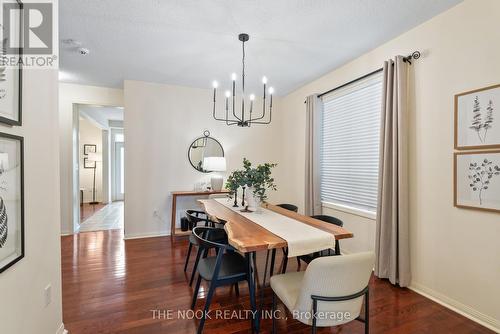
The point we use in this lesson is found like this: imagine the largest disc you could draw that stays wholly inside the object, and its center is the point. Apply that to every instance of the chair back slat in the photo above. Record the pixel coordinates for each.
(329, 219)
(207, 238)
(289, 207)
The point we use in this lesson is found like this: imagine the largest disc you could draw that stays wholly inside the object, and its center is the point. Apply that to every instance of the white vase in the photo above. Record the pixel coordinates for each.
(249, 197)
(252, 200)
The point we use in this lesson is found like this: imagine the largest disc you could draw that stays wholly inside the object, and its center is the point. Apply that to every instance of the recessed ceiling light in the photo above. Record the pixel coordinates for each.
(83, 51)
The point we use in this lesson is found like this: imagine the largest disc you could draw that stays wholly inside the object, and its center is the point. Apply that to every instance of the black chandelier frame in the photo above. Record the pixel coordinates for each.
(231, 116)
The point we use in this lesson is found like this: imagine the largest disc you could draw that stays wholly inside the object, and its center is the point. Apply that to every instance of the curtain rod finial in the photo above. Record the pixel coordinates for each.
(414, 55)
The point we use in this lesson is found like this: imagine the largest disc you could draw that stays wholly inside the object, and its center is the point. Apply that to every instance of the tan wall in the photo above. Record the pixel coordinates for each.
(90, 134)
(455, 252)
(69, 95)
(22, 302)
(161, 121)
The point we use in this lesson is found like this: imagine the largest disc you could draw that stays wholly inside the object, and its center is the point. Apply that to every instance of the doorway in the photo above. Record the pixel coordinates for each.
(98, 186)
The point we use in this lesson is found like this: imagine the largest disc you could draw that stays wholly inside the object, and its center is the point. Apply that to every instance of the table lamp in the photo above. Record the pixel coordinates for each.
(215, 164)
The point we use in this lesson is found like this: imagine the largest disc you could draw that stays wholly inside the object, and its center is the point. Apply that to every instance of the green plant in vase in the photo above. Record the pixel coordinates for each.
(258, 179)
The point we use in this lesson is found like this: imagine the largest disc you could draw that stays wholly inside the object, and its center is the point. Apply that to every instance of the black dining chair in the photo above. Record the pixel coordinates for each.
(327, 252)
(226, 268)
(195, 217)
(289, 207)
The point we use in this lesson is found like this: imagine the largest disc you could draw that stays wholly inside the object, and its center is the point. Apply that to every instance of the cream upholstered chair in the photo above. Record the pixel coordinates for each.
(329, 293)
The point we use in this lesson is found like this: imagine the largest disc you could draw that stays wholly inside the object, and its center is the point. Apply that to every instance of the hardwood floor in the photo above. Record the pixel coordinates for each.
(87, 210)
(108, 217)
(112, 286)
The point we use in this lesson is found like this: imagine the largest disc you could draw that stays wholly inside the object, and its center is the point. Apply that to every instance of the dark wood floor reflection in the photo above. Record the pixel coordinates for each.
(87, 210)
(112, 286)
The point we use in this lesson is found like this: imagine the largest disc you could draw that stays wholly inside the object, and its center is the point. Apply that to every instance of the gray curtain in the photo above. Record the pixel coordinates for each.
(392, 240)
(314, 113)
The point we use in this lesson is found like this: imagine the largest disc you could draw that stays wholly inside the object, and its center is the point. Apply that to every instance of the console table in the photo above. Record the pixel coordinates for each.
(176, 231)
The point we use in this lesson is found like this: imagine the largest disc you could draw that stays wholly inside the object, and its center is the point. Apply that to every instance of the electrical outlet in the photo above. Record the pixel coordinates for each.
(48, 295)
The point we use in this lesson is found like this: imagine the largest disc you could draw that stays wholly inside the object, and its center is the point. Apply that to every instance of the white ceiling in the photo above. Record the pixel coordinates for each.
(101, 115)
(191, 43)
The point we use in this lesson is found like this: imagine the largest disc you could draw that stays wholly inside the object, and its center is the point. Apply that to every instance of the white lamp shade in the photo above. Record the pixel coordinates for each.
(214, 164)
(94, 157)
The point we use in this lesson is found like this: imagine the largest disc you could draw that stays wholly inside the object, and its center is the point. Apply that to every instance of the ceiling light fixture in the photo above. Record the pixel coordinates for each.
(245, 119)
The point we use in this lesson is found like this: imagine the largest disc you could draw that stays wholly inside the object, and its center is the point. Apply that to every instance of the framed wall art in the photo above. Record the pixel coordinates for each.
(11, 200)
(477, 119)
(477, 180)
(88, 163)
(11, 76)
(89, 148)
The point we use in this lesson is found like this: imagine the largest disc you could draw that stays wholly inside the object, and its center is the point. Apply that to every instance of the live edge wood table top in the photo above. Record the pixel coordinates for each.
(247, 236)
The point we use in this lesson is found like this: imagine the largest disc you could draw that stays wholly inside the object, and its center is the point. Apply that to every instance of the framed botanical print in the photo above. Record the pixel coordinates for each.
(88, 164)
(477, 119)
(89, 148)
(11, 200)
(11, 76)
(477, 180)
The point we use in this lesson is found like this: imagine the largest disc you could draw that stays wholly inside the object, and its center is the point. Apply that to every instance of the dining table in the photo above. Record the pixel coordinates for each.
(269, 228)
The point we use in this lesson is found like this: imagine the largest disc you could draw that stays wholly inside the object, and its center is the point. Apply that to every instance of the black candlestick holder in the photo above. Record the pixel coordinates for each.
(235, 194)
(243, 198)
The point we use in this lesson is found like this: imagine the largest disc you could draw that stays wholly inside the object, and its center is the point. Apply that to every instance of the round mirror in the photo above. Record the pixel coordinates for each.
(204, 147)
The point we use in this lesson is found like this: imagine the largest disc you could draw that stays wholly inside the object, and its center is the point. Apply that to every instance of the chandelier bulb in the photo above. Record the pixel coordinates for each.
(271, 90)
(233, 76)
(252, 97)
(228, 93)
(215, 84)
(264, 80)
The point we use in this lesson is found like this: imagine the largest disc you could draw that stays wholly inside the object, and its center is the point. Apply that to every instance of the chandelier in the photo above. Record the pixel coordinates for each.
(242, 117)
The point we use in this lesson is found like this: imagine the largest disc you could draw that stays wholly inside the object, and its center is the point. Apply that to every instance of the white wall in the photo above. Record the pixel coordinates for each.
(69, 95)
(455, 252)
(22, 286)
(160, 123)
(90, 134)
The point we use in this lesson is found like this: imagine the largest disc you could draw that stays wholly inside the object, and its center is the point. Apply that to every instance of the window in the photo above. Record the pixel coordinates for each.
(350, 145)
(119, 137)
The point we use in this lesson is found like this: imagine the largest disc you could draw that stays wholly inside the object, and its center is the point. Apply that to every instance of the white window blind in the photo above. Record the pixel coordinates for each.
(350, 144)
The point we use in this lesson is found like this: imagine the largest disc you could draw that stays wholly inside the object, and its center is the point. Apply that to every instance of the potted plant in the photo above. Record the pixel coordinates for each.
(258, 180)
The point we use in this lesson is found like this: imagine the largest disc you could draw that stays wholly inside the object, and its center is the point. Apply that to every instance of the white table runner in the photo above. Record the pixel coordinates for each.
(302, 239)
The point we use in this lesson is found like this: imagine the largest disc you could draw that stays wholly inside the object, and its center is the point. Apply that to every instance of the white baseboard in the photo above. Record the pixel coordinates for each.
(466, 311)
(344, 252)
(61, 330)
(141, 236)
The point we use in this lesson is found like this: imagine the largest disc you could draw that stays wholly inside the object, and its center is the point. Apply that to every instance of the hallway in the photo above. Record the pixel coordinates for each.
(109, 217)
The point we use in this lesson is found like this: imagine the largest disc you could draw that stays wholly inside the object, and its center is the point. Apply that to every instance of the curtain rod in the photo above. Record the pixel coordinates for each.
(407, 59)
(351, 82)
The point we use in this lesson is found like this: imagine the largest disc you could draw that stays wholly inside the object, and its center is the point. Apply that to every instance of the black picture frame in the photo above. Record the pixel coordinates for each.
(21, 184)
(87, 148)
(19, 121)
(88, 164)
